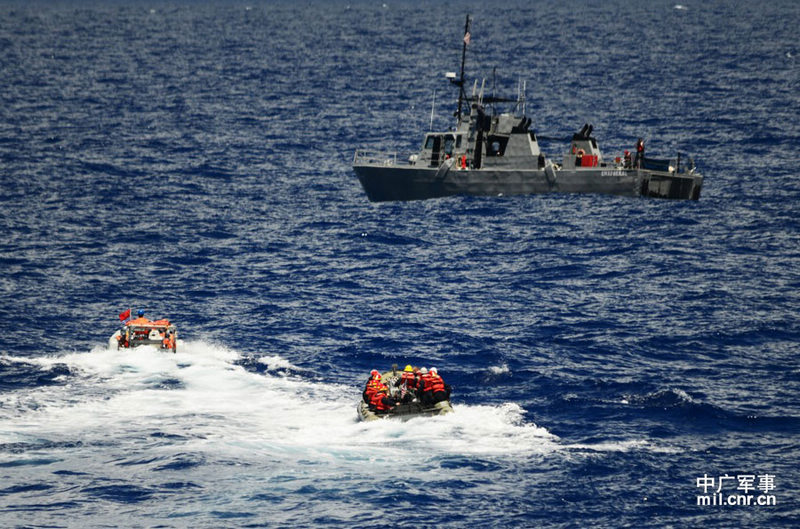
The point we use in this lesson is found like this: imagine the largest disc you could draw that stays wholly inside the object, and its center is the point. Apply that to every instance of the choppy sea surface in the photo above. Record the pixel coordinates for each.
(192, 159)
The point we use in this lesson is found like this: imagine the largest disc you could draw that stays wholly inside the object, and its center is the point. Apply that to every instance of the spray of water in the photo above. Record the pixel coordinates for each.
(203, 401)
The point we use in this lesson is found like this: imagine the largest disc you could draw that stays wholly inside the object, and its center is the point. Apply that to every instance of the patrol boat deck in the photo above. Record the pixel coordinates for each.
(497, 154)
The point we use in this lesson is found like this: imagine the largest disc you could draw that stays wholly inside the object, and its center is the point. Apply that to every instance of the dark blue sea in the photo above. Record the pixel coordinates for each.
(615, 362)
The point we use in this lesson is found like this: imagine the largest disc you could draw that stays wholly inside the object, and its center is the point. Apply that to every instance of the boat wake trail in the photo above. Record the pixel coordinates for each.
(201, 401)
(144, 427)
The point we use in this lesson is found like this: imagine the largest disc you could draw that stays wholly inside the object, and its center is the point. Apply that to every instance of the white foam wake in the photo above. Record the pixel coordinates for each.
(200, 395)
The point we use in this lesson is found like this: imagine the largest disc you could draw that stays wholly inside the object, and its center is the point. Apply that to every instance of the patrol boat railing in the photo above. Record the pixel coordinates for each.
(365, 157)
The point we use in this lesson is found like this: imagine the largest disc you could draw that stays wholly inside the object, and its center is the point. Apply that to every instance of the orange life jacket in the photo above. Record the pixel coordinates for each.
(424, 382)
(409, 378)
(435, 384)
(373, 385)
(377, 400)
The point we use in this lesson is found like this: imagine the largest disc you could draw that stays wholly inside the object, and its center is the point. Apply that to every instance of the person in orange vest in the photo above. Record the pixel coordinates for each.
(408, 384)
(423, 382)
(139, 334)
(381, 402)
(434, 389)
(169, 340)
(373, 384)
(408, 377)
(140, 320)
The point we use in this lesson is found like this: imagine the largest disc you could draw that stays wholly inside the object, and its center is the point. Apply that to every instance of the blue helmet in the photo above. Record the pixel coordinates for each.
(140, 313)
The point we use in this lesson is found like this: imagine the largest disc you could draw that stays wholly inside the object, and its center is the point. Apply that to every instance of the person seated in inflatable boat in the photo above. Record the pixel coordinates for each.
(432, 388)
(373, 383)
(381, 402)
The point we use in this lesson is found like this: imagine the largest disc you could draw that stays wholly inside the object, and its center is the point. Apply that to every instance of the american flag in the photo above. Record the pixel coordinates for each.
(466, 38)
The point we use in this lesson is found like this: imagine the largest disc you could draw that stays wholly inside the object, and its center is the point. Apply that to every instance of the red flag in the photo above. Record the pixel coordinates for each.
(125, 315)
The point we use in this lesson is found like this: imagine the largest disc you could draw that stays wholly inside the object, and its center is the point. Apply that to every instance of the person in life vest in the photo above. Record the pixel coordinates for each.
(373, 384)
(139, 333)
(408, 384)
(423, 382)
(140, 320)
(169, 340)
(434, 390)
(408, 377)
(627, 159)
(381, 402)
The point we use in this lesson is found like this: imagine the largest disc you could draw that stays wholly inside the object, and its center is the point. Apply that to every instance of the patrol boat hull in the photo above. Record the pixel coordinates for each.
(382, 183)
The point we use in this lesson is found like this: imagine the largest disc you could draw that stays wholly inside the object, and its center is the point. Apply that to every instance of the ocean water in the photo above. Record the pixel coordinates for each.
(607, 355)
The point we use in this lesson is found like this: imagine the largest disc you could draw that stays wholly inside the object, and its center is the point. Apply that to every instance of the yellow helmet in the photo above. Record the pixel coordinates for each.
(408, 368)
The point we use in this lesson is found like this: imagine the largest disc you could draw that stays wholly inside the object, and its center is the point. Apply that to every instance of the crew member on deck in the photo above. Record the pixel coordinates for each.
(627, 159)
(637, 162)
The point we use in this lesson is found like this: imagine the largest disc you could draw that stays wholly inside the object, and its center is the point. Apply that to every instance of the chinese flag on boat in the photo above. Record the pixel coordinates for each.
(125, 315)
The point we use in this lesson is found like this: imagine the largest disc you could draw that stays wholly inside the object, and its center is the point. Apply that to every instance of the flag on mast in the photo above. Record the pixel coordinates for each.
(125, 315)
(466, 38)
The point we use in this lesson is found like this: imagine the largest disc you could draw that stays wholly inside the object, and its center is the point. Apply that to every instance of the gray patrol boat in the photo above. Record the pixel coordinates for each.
(493, 154)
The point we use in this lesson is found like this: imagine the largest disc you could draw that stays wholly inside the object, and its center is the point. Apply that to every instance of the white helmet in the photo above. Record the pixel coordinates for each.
(424, 370)
(434, 371)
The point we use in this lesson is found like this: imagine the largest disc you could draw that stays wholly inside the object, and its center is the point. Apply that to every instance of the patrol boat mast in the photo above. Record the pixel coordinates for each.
(460, 82)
